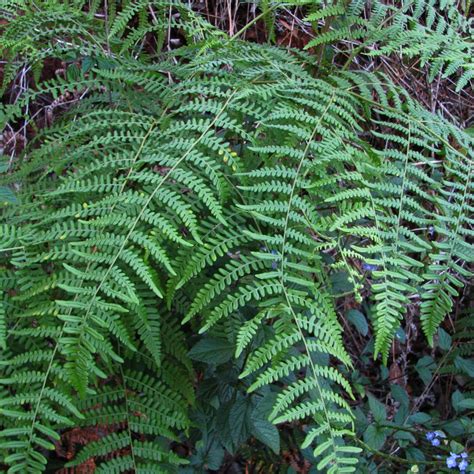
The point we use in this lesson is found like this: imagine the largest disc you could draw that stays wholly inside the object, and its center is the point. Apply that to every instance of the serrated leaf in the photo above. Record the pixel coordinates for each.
(375, 437)
(215, 456)
(239, 420)
(377, 409)
(267, 433)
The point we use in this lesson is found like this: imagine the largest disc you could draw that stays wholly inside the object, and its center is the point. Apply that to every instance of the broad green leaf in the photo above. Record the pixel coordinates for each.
(466, 365)
(374, 436)
(239, 417)
(359, 321)
(212, 350)
(466, 404)
(420, 418)
(444, 339)
(267, 433)
(377, 409)
(400, 394)
(7, 196)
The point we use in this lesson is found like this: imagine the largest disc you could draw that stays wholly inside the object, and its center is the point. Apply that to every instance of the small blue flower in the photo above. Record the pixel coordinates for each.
(368, 267)
(451, 461)
(463, 465)
(431, 435)
(464, 455)
(274, 262)
(435, 442)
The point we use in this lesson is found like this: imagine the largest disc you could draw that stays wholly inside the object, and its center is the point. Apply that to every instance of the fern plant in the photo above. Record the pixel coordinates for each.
(437, 34)
(221, 182)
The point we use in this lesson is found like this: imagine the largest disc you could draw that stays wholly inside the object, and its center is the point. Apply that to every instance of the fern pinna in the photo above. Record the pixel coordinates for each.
(223, 185)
